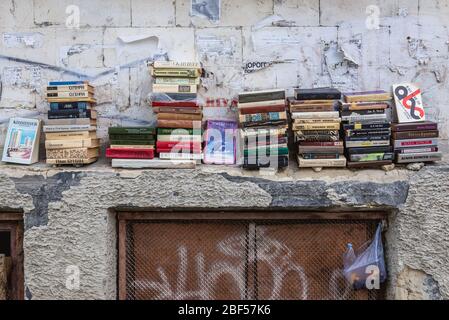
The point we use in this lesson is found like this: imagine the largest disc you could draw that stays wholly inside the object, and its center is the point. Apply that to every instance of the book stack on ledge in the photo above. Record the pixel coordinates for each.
(179, 115)
(316, 127)
(70, 130)
(367, 129)
(263, 122)
(414, 139)
(416, 142)
(133, 143)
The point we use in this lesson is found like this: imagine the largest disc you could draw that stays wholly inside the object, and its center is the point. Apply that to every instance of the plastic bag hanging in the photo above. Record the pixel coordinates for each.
(366, 270)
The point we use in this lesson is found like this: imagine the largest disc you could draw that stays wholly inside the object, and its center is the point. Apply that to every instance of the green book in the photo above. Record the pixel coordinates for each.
(139, 137)
(133, 142)
(164, 131)
(266, 151)
(132, 130)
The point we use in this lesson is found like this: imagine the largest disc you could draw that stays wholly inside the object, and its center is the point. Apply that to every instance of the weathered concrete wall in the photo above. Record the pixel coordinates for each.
(311, 42)
(69, 217)
(418, 239)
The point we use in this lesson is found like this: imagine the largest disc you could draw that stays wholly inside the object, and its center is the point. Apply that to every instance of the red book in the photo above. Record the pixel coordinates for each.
(179, 124)
(129, 153)
(178, 144)
(171, 104)
(168, 150)
(267, 109)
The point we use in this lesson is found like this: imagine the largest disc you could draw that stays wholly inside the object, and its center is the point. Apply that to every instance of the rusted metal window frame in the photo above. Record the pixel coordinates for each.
(235, 215)
(13, 223)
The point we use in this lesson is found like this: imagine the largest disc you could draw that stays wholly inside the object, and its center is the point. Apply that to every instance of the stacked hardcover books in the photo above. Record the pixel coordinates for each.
(131, 143)
(316, 128)
(367, 129)
(416, 142)
(70, 130)
(263, 122)
(179, 115)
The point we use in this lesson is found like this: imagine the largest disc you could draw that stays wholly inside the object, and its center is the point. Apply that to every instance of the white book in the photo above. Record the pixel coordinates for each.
(153, 164)
(316, 115)
(368, 117)
(22, 141)
(66, 128)
(176, 65)
(180, 156)
(325, 163)
(408, 103)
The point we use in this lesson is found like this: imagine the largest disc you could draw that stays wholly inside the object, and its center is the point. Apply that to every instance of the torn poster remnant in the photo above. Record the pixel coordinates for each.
(272, 21)
(23, 40)
(253, 66)
(28, 77)
(217, 49)
(209, 9)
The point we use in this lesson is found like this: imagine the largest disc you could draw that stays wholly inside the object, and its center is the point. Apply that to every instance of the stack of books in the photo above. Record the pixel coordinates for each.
(131, 143)
(316, 128)
(179, 115)
(70, 130)
(416, 142)
(263, 123)
(367, 129)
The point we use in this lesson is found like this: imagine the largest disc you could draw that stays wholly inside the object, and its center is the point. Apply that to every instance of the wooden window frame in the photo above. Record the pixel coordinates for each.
(13, 223)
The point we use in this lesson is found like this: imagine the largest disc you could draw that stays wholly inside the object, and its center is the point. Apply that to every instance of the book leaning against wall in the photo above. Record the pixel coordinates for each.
(22, 141)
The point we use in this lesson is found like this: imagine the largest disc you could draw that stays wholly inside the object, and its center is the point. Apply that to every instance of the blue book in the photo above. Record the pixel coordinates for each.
(65, 83)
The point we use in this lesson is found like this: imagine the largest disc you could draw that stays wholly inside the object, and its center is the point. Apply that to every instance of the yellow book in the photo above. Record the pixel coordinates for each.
(74, 135)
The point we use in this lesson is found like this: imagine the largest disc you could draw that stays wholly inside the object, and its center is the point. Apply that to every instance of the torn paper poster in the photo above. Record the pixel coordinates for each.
(272, 21)
(253, 66)
(217, 49)
(23, 40)
(22, 77)
(209, 9)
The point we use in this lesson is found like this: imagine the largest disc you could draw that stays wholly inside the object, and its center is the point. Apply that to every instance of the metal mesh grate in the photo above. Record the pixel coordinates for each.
(241, 260)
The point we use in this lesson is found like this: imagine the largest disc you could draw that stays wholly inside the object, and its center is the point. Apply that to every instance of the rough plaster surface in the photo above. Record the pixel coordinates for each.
(418, 235)
(76, 226)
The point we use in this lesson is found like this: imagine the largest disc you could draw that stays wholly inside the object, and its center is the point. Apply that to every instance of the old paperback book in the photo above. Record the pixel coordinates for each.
(317, 94)
(153, 164)
(176, 65)
(408, 103)
(74, 153)
(22, 141)
(67, 128)
(367, 96)
(322, 163)
(77, 88)
(71, 161)
(174, 88)
(75, 135)
(70, 144)
(70, 94)
(419, 157)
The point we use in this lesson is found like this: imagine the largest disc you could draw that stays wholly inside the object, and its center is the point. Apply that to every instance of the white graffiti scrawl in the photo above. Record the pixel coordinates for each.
(272, 254)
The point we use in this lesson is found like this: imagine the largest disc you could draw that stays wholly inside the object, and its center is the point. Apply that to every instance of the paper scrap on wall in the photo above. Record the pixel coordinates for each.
(209, 9)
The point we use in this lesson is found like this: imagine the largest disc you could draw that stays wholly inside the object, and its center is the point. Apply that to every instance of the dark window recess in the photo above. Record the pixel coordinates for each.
(249, 260)
(11, 249)
(5, 243)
